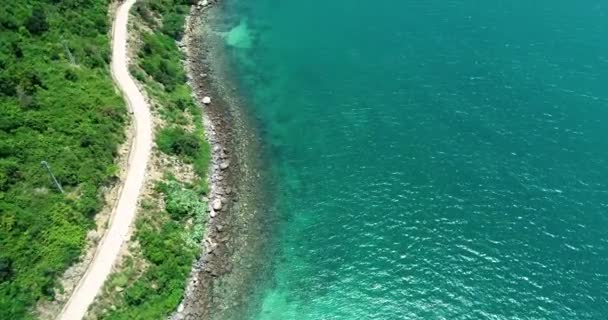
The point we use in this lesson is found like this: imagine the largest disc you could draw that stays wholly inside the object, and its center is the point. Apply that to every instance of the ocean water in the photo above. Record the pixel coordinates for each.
(433, 159)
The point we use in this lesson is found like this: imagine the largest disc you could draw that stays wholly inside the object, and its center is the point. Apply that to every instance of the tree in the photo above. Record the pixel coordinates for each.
(36, 24)
(5, 269)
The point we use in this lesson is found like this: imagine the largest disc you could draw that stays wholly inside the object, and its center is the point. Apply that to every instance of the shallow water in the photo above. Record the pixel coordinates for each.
(433, 159)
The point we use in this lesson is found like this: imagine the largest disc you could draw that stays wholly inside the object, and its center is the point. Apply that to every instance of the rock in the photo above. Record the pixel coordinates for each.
(224, 165)
(216, 148)
(207, 100)
(219, 228)
(119, 289)
(217, 204)
(180, 308)
(213, 214)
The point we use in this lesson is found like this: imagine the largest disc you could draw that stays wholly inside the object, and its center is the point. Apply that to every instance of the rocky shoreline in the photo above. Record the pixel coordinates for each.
(214, 260)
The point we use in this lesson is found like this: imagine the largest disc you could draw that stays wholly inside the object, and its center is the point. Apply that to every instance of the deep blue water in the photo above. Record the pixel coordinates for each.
(434, 159)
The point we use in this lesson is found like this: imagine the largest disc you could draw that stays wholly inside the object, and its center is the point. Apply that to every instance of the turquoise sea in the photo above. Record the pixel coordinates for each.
(432, 159)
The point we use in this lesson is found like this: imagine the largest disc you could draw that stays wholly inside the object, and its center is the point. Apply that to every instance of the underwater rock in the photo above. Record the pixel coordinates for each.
(240, 36)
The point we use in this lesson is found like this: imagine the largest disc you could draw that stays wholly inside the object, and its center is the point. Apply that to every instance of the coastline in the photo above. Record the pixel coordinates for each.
(220, 189)
(173, 181)
(234, 235)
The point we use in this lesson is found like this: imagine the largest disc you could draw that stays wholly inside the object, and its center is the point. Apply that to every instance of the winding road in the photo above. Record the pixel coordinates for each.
(124, 212)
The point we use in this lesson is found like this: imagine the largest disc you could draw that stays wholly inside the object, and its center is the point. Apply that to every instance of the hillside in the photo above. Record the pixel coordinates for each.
(57, 104)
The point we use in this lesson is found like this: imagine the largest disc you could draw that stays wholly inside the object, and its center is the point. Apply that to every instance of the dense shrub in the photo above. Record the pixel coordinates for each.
(181, 201)
(57, 104)
(162, 61)
(36, 24)
(173, 25)
(177, 141)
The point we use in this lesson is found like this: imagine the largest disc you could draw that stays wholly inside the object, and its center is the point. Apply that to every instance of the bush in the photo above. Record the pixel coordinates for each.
(182, 202)
(179, 142)
(36, 24)
(173, 25)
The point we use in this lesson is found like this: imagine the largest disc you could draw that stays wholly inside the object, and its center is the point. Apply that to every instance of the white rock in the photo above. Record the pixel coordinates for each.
(217, 204)
(206, 100)
(180, 308)
(213, 214)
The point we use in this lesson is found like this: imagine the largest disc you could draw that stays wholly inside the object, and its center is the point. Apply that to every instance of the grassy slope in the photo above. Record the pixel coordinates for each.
(57, 103)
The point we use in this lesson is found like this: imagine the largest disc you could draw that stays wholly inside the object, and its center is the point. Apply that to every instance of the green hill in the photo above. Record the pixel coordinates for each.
(57, 104)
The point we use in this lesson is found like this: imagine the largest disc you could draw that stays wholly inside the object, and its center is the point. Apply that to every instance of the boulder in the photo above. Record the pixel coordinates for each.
(224, 165)
(207, 100)
(217, 204)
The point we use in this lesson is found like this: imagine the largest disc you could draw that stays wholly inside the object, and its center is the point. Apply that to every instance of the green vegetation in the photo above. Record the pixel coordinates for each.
(179, 142)
(152, 282)
(57, 104)
(169, 250)
(160, 59)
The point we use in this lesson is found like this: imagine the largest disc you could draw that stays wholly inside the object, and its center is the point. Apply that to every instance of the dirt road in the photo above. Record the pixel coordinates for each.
(124, 212)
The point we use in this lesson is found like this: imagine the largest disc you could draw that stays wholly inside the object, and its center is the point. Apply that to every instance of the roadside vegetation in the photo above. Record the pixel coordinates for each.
(170, 222)
(57, 104)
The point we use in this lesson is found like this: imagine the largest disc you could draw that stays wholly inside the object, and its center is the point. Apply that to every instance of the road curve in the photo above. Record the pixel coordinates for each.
(124, 212)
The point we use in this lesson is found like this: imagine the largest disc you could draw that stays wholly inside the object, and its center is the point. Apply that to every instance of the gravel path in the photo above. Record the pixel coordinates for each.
(124, 212)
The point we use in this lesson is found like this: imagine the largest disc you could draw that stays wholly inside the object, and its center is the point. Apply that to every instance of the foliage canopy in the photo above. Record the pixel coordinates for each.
(57, 104)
